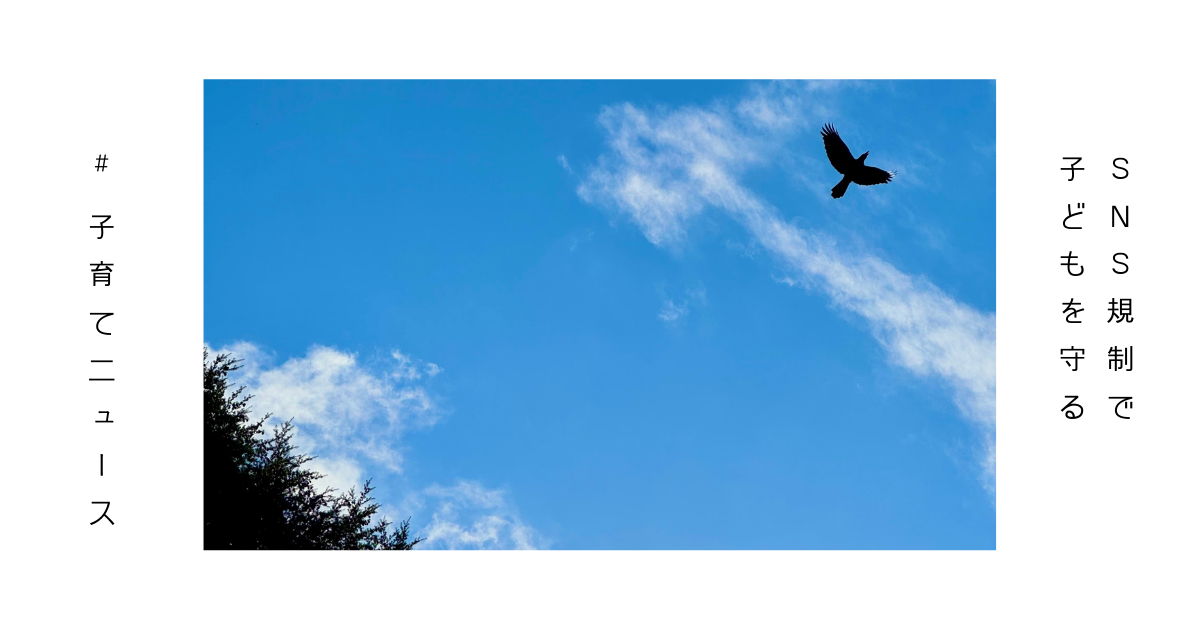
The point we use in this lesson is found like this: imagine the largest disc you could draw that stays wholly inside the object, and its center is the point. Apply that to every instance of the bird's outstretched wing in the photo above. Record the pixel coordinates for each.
(838, 152)
(869, 176)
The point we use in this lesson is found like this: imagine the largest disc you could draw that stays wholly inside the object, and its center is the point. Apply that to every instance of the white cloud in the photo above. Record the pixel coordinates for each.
(645, 173)
(781, 106)
(562, 161)
(664, 168)
(342, 411)
(351, 416)
(339, 473)
(409, 369)
(676, 312)
(469, 516)
(671, 311)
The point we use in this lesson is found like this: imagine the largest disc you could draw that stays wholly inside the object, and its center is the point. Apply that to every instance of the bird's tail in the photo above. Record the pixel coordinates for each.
(840, 189)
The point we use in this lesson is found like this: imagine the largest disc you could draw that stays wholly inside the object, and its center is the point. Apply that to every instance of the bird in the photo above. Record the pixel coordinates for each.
(852, 170)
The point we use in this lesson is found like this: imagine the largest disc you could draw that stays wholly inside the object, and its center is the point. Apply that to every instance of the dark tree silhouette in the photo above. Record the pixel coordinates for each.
(853, 170)
(259, 495)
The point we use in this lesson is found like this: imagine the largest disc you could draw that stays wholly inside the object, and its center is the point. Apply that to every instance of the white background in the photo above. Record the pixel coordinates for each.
(1096, 517)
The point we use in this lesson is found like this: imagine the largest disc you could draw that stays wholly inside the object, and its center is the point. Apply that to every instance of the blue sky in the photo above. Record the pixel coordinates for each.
(619, 314)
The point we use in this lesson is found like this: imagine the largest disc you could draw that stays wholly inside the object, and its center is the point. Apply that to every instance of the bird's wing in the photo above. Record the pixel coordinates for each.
(869, 176)
(838, 152)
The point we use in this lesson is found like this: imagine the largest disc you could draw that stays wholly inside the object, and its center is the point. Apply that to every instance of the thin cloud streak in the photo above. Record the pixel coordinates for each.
(663, 169)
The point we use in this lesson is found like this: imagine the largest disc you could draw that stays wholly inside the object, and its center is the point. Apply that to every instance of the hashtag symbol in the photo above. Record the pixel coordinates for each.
(100, 160)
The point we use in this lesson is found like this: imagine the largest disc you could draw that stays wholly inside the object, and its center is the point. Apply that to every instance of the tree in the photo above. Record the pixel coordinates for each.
(258, 493)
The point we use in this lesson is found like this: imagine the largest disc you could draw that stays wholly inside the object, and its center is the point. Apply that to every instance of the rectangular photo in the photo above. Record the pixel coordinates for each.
(599, 315)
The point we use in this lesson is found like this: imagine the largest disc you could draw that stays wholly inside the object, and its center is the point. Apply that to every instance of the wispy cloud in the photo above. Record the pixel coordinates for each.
(469, 516)
(353, 417)
(663, 168)
(341, 409)
(562, 161)
(674, 311)
(578, 240)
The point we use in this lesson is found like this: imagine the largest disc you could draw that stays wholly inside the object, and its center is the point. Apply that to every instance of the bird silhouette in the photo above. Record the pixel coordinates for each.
(851, 169)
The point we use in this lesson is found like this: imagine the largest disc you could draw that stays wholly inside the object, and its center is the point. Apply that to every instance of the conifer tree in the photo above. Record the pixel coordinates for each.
(258, 494)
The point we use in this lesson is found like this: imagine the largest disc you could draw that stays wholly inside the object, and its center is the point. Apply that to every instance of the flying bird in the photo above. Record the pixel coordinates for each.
(852, 170)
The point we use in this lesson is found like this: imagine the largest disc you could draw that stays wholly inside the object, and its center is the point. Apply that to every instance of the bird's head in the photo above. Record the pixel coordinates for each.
(863, 158)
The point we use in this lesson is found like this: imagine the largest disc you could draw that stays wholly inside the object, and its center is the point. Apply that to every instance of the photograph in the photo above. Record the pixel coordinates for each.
(599, 314)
